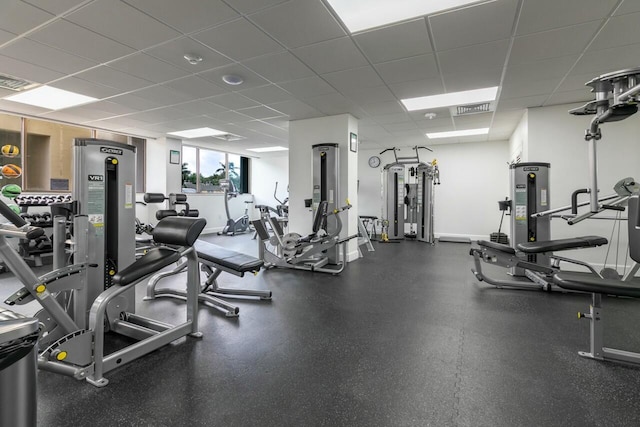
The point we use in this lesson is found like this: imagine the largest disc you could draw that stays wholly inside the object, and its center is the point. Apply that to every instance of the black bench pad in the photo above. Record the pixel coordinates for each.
(594, 284)
(227, 258)
(497, 246)
(562, 244)
(156, 259)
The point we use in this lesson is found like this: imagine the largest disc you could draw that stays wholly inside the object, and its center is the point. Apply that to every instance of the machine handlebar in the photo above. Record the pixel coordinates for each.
(11, 216)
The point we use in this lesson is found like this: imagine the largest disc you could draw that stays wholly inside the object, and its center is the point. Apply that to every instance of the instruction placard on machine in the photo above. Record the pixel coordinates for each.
(96, 202)
(521, 204)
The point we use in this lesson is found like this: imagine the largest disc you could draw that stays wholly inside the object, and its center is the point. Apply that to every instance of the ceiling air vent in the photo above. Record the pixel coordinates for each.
(229, 137)
(14, 84)
(464, 110)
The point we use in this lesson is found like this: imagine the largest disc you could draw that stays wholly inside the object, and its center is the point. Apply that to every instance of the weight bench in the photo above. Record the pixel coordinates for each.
(214, 260)
(538, 274)
(599, 286)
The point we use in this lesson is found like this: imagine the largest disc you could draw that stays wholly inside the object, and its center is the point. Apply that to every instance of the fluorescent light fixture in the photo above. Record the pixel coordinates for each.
(360, 15)
(449, 99)
(197, 133)
(267, 149)
(51, 98)
(454, 133)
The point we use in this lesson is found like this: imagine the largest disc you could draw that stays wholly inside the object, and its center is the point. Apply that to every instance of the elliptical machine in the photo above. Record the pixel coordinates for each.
(240, 224)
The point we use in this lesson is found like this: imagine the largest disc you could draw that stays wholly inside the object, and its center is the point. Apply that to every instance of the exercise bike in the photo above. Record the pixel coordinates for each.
(240, 224)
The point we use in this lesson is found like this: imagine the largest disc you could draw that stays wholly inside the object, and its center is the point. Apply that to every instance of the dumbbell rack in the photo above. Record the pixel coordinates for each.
(26, 248)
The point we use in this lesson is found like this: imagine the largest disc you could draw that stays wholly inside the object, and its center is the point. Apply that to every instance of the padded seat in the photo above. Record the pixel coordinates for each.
(562, 244)
(227, 258)
(497, 246)
(156, 259)
(594, 284)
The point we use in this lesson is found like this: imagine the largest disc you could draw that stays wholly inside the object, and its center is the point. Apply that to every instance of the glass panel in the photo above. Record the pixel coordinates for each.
(235, 171)
(189, 168)
(141, 148)
(48, 155)
(212, 169)
(11, 166)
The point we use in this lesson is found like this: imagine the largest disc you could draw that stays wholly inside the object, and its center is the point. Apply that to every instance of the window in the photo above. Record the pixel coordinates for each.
(202, 170)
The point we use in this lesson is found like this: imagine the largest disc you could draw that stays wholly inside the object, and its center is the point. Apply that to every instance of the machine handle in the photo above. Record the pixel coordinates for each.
(574, 199)
(11, 216)
(154, 197)
(389, 149)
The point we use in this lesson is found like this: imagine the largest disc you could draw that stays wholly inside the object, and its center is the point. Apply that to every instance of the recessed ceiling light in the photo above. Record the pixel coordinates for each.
(232, 79)
(197, 133)
(193, 58)
(51, 98)
(360, 15)
(454, 133)
(267, 149)
(452, 98)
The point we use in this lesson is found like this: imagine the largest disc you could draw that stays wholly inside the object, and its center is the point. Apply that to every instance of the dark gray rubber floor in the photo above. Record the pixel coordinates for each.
(403, 337)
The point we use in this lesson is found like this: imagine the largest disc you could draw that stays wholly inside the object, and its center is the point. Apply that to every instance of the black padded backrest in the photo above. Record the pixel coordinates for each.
(258, 225)
(634, 228)
(276, 227)
(180, 231)
(321, 214)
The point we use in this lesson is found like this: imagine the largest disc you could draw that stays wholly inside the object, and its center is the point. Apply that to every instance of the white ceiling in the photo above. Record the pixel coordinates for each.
(299, 61)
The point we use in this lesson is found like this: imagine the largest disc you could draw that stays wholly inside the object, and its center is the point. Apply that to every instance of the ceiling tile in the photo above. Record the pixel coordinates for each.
(472, 79)
(186, 15)
(540, 70)
(135, 102)
(440, 113)
(308, 88)
(395, 41)
(269, 94)
(18, 17)
(383, 108)
(160, 115)
(56, 7)
(370, 95)
(33, 52)
(250, 6)
(260, 112)
(474, 25)
(148, 68)
(173, 52)
(569, 97)
(628, 6)
(5, 36)
(488, 55)
(332, 55)
(233, 101)
(609, 59)
(80, 41)
(397, 127)
(473, 121)
(232, 117)
(534, 87)
(521, 103)
(355, 78)
(85, 87)
(201, 107)
(620, 30)
(195, 87)
(114, 78)
(332, 104)
(112, 108)
(553, 43)
(122, 23)
(30, 72)
(409, 69)
(542, 15)
(279, 67)
(417, 88)
(299, 23)
(577, 81)
(383, 119)
(429, 125)
(250, 78)
(296, 110)
(162, 95)
(238, 39)
(118, 123)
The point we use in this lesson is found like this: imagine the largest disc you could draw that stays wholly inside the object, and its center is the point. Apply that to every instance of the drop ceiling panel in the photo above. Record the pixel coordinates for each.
(395, 41)
(80, 41)
(269, 94)
(391, 118)
(408, 69)
(111, 108)
(250, 6)
(260, 112)
(521, 103)
(114, 78)
(296, 109)
(482, 56)
(26, 71)
(542, 15)
(426, 125)
(332, 55)
(148, 68)
(308, 88)
(619, 31)
(357, 78)
(123, 23)
(195, 87)
(119, 123)
(333, 104)
(628, 6)
(5, 36)
(553, 43)
(84, 87)
(18, 17)
(159, 115)
(185, 123)
(202, 107)
(609, 59)
(233, 101)
(173, 52)
(473, 121)
(239, 40)
(163, 95)
(472, 79)
(250, 78)
(397, 127)
(419, 115)
(186, 15)
(553, 68)
(279, 67)
(299, 23)
(569, 97)
(371, 95)
(56, 7)
(135, 102)
(577, 81)
(537, 87)
(392, 107)
(474, 25)
(33, 52)
(417, 88)
(232, 117)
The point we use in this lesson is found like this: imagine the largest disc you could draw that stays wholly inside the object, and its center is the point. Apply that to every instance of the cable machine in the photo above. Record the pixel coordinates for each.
(326, 187)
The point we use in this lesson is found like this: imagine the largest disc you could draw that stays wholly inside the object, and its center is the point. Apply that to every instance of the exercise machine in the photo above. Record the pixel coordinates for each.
(240, 224)
(326, 188)
(392, 213)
